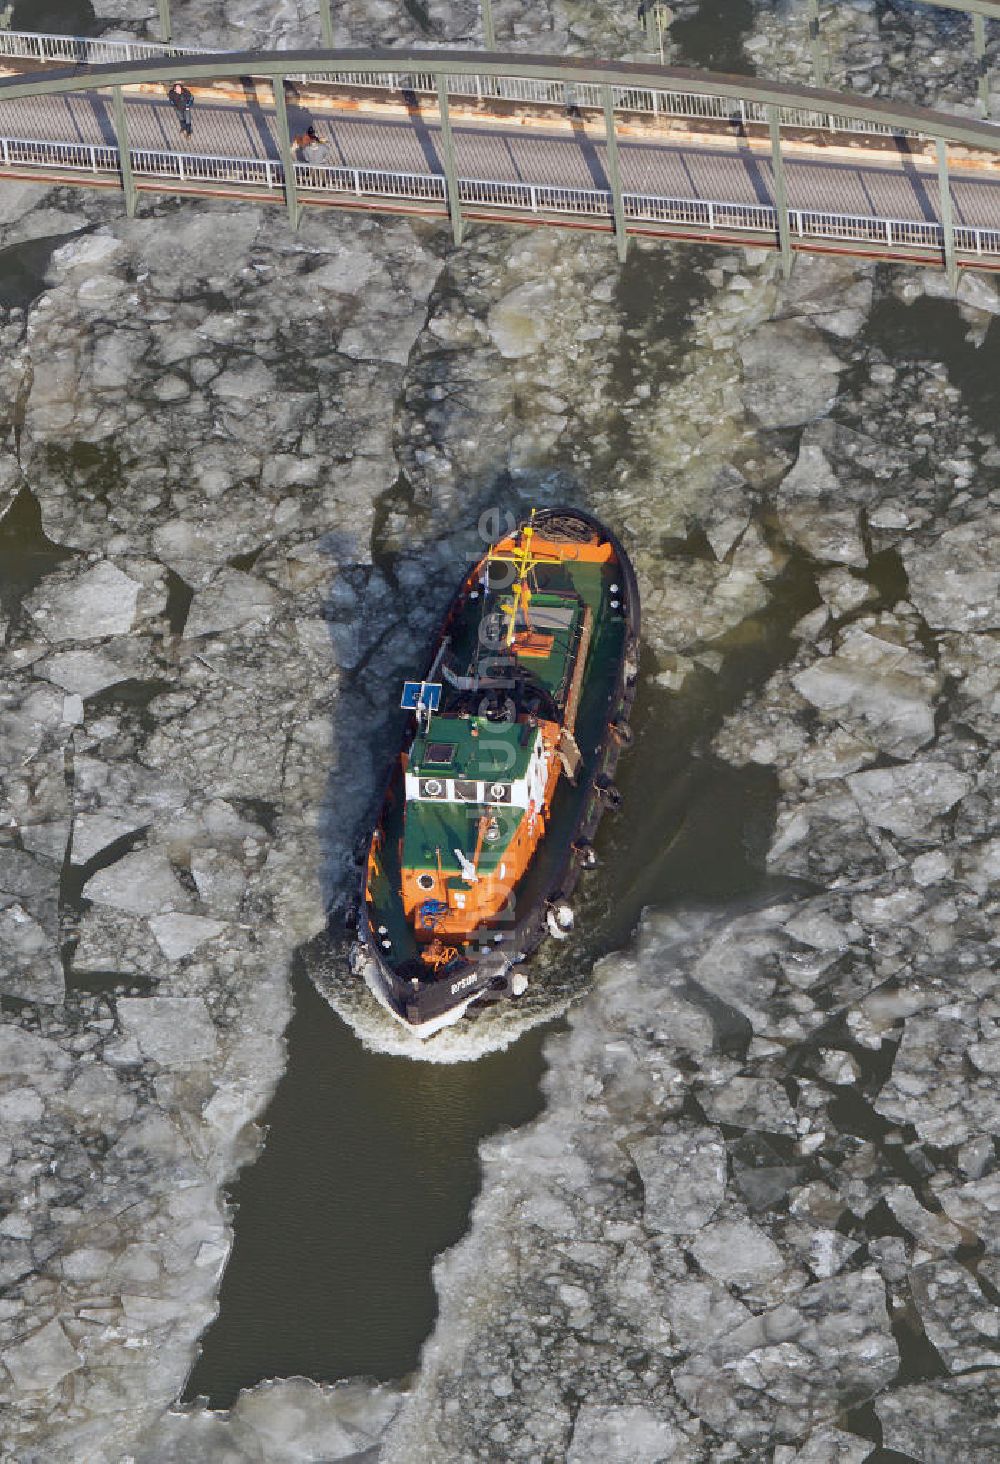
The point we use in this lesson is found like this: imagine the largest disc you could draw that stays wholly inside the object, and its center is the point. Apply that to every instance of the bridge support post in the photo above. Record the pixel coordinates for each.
(979, 45)
(450, 164)
(819, 66)
(614, 172)
(947, 217)
(780, 192)
(489, 35)
(124, 155)
(165, 35)
(285, 148)
(326, 24)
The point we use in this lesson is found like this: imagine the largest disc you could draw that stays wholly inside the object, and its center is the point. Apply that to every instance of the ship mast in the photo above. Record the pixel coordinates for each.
(525, 560)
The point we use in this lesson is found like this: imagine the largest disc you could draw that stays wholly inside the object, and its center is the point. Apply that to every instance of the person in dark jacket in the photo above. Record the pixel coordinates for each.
(311, 148)
(182, 102)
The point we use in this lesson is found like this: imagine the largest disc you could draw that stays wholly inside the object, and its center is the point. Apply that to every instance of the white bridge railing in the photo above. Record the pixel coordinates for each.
(629, 100)
(86, 50)
(707, 216)
(528, 91)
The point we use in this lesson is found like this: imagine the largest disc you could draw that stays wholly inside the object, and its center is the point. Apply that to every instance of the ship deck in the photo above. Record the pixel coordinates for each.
(573, 581)
(424, 828)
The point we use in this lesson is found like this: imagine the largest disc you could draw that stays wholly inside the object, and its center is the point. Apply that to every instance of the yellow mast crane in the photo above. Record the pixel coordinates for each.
(525, 560)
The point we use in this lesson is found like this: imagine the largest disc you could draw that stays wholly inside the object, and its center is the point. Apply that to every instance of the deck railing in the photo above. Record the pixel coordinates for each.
(511, 90)
(85, 50)
(712, 217)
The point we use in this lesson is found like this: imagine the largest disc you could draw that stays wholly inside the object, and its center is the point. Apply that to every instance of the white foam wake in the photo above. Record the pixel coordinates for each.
(486, 1029)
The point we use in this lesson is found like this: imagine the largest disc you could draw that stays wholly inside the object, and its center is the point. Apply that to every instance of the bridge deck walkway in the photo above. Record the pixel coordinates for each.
(719, 165)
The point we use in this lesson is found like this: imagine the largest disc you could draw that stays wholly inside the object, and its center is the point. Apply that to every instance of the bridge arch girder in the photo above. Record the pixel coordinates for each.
(923, 121)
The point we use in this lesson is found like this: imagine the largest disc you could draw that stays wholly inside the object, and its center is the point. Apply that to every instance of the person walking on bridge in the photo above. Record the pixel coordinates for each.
(311, 147)
(182, 102)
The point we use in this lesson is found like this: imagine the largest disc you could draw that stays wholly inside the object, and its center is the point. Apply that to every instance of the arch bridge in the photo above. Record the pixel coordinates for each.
(624, 148)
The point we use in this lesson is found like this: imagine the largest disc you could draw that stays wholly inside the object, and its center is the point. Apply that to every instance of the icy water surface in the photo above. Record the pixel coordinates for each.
(26, 554)
(22, 270)
(56, 17)
(371, 1161)
(338, 1223)
(369, 1171)
(933, 330)
(713, 36)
